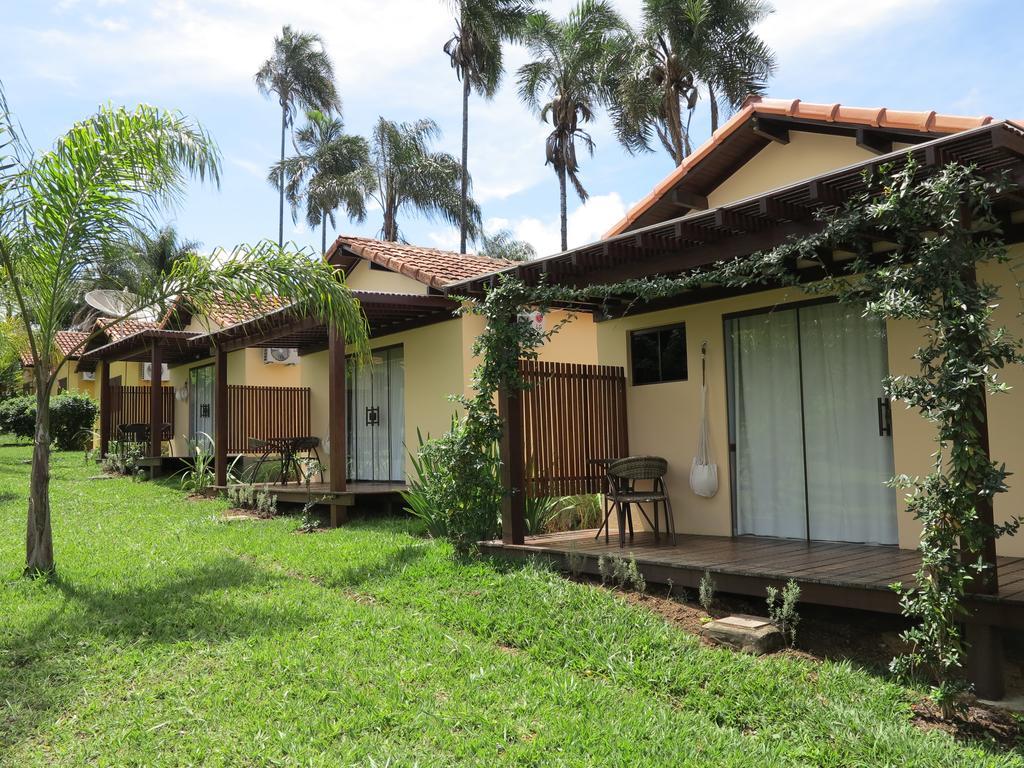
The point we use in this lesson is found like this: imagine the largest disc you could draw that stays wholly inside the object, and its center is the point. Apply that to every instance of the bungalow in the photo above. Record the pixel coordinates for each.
(802, 438)
(284, 378)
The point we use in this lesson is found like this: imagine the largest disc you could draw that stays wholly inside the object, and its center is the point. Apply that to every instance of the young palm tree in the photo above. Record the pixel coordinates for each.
(331, 171)
(61, 211)
(475, 52)
(408, 173)
(564, 83)
(657, 74)
(144, 257)
(301, 75)
(504, 245)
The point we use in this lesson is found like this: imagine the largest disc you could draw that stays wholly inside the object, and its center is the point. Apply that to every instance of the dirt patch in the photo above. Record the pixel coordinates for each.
(232, 515)
(976, 723)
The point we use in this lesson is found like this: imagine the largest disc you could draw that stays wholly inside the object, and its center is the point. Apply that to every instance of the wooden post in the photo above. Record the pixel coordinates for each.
(156, 406)
(220, 416)
(337, 431)
(984, 642)
(513, 504)
(104, 407)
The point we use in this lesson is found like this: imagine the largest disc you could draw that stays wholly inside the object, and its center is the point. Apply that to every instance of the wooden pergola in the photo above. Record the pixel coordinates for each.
(385, 313)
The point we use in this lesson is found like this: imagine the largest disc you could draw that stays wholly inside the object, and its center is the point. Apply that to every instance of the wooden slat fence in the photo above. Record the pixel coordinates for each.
(130, 405)
(571, 414)
(266, 412)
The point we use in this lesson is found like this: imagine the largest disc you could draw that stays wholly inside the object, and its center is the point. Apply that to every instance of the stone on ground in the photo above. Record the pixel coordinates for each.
(750, 634)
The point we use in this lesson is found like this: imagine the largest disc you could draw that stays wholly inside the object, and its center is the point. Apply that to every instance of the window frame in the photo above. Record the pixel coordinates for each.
(657, 329)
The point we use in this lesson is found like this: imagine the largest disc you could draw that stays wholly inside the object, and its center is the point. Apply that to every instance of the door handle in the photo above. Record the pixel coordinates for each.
(372, 416)
(884, 417)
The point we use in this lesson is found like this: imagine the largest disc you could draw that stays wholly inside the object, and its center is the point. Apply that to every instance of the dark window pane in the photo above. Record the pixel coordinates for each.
(644, 354)
(658, 354)
(673, 353)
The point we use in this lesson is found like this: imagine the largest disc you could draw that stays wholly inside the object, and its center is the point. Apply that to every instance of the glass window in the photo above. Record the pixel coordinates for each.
(658, 354)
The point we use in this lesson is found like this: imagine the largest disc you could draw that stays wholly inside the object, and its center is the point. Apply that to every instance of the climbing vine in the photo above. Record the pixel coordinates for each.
(907, 248)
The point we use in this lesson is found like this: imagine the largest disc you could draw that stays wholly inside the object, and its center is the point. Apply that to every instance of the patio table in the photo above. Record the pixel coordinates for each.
(288, 448)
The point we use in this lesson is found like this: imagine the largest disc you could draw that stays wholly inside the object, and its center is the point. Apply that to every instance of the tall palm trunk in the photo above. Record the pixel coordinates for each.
(465, 164)
(563, 208)
(713, 102)
(39, 535)
(280, 179)
(323, 233)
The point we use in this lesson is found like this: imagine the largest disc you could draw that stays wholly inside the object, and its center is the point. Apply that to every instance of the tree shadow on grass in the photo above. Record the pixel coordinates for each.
(379, 569)
(42, 669)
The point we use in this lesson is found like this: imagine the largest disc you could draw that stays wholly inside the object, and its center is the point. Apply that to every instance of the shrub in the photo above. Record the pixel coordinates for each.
(72, 416)
(457, 489)
(782, 609)
(71, 419)
(18, 416)
(706, 592)
(123, 459)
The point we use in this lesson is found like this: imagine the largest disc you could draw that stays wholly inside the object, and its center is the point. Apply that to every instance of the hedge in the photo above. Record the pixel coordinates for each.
(72, 417)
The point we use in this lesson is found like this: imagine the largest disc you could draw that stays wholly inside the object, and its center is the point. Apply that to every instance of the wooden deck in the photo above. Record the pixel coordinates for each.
(843, 575)
(295, 493)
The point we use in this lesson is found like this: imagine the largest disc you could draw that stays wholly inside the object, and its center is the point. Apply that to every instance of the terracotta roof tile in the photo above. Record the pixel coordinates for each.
(124, 328)
(233, 313)
(430, 266)
(877, 117)
(67, 342)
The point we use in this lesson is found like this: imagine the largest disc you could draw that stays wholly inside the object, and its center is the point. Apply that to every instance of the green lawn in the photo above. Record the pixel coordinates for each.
(172, 638)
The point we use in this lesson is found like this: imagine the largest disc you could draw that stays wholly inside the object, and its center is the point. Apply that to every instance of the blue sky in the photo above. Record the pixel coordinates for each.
(60, 60)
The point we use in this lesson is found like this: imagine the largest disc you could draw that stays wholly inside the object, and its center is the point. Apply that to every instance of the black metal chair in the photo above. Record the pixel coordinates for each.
(138, 434)
(623, 495)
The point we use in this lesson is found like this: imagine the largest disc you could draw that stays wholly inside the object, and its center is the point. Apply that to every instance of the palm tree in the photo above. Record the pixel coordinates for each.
(504, 245)
(564, 83)
(475, 52)
(331, 171)
(146, 256)
(656, 76)
(301, 75)
(409, 173)
(62, 210)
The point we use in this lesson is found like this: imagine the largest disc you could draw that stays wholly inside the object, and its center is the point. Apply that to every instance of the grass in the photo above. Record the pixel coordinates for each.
(172, 638)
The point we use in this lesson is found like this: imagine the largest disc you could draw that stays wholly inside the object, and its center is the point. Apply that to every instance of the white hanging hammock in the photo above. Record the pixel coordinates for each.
(703, 471)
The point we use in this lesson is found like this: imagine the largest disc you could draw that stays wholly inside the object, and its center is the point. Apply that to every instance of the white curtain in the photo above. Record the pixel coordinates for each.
(769, 463)
(844, 363)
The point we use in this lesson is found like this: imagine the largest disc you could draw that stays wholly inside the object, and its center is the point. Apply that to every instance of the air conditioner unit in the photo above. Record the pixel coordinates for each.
(280, 356)
(88, 375)
(147, 372)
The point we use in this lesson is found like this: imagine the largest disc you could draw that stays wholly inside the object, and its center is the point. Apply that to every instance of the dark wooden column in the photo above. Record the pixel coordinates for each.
(336, 412)
(156, 403)
(220, 415)
(104, 393)
(513, 504)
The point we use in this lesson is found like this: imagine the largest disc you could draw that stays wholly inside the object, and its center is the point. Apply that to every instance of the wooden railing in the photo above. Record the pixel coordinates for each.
(130, 405)
(266, 412)
(572, 414)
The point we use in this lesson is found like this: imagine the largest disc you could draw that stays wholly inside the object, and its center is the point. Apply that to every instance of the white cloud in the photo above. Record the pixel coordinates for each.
(797, 24)
(257, 170)
(586, 223)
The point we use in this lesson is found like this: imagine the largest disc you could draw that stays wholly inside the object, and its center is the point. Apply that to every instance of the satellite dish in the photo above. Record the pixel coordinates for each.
(119, 304)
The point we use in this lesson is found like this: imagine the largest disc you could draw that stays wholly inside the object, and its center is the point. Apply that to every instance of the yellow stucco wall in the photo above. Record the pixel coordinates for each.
(664, 418)
(363, 278)
(805, 156)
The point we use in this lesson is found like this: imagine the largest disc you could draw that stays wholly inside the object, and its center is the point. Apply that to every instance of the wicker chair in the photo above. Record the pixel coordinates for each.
(623, 495)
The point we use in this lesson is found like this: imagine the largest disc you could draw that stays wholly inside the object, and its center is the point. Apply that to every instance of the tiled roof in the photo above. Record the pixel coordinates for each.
(875, 117)
(232, 313)
(429, 266)
(124, 328)
(67, 342)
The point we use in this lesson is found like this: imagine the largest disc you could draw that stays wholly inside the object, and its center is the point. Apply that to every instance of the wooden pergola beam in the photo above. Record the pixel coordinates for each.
(156, 405)
(873, 141)
(337, 430)
(220, 415)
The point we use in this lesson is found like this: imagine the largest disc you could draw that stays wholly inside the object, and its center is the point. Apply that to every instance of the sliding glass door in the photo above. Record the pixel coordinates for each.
(810, 437)
(376, 417)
